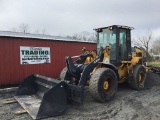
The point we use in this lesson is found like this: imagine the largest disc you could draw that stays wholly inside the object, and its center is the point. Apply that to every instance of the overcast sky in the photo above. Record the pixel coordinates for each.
(73, 16)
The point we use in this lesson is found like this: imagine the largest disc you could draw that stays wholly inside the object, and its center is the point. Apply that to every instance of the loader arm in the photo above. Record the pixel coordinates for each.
(88, 69)
(82, 71)
(74, 68)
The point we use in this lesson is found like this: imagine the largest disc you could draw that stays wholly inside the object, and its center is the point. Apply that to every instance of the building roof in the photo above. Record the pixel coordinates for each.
(39, 36)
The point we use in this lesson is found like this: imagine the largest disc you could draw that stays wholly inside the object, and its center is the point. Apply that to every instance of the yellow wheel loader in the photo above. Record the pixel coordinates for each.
(114, 61)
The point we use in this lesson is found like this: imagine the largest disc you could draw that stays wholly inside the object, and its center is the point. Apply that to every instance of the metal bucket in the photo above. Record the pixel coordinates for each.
(44, 97)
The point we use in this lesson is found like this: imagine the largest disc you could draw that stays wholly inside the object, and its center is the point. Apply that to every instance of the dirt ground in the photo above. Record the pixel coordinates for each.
(128, 104)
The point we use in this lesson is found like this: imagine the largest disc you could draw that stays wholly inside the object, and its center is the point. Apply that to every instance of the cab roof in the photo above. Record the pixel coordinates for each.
(119, 26)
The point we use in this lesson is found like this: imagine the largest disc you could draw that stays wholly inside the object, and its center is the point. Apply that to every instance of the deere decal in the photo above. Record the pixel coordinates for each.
(34, 55)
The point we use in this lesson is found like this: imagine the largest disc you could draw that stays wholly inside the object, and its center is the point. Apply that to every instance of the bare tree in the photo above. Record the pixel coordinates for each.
(85, 36)
(93, 37)
(144, 41)
(76, 36)
(14, 30)
(81, 36)
(36, 31)
(44, 32)
(156, 47)
(24, 28)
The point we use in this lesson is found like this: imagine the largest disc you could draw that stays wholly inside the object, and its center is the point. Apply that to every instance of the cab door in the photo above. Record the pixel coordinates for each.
(124, 45)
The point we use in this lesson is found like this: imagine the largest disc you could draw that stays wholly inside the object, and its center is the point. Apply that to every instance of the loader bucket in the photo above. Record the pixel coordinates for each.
(44, 97)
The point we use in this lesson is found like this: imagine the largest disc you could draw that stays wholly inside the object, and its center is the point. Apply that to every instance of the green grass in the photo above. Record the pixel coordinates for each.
(154, 64)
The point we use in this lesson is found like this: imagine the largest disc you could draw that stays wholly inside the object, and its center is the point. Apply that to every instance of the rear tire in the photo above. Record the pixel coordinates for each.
(103, 84)
(137, 81)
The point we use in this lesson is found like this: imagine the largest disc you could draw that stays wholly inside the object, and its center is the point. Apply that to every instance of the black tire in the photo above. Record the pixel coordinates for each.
(97, 86)
(64, 75)
(137, 81)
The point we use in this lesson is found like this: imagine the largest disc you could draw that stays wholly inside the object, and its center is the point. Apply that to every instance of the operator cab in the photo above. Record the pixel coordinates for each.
(119, 38)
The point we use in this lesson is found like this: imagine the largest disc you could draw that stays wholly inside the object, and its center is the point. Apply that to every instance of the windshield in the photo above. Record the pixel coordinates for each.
(106, 38)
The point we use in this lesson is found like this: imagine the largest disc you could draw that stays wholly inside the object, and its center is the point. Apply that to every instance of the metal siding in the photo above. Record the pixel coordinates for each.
(12, 72)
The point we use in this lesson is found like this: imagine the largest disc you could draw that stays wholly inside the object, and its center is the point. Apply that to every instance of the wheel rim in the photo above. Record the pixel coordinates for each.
(105, 85)
(141, 78)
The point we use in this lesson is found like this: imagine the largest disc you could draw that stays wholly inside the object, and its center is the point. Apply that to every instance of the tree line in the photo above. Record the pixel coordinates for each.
(82, 36)
(148, 43)
(25, 28)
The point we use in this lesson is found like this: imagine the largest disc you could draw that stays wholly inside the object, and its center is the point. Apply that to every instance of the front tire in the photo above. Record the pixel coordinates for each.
(103, 84)
(64, 75)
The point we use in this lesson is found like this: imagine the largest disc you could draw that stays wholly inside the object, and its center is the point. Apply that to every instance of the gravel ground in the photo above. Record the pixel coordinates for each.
(127, 105)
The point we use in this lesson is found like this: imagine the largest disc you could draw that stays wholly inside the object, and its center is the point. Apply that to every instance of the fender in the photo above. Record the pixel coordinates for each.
(111, 66)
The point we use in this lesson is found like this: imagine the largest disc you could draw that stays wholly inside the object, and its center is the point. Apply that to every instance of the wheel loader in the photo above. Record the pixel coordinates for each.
(114, 61)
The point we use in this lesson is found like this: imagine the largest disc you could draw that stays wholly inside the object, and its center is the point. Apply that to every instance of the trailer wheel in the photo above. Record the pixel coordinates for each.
(137, 81)
(103, 84)
(64, 75)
